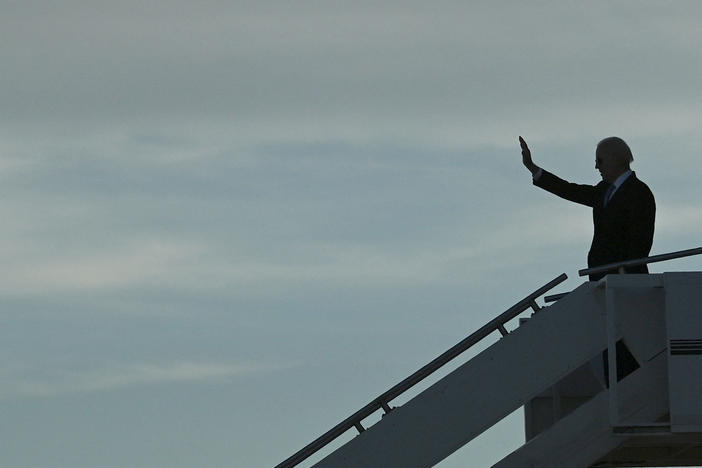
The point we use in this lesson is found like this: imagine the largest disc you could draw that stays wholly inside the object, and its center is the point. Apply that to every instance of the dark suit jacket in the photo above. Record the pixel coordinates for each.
(623, 228)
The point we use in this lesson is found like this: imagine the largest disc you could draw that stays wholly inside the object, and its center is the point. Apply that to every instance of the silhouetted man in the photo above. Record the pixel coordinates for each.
(623, 207)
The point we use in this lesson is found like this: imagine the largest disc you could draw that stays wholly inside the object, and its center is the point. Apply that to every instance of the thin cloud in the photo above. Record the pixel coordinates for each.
(143, 263)
(48, 383)
(678, 219)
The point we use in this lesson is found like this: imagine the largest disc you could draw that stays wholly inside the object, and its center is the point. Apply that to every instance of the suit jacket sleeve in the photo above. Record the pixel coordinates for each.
(587, 195)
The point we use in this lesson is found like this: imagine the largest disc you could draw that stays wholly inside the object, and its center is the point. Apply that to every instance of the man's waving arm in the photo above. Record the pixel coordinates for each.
(583, 194)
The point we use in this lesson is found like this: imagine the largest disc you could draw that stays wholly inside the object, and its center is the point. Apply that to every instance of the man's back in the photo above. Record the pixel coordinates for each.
(623, 228)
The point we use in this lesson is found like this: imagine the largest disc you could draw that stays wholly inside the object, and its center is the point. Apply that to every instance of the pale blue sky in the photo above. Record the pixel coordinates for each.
(229, 225)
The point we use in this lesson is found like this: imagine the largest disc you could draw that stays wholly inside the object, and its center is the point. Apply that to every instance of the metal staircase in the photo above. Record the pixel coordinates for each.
(609, 375)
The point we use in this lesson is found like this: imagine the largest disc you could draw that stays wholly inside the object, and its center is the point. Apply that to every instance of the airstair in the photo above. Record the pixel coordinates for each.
(609, 375)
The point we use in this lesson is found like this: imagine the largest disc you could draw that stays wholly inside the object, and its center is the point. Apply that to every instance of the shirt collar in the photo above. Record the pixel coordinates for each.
(620, 180)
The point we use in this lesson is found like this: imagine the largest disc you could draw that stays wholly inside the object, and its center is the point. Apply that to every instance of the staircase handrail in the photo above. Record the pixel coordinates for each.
(621, 266)
(382, 402)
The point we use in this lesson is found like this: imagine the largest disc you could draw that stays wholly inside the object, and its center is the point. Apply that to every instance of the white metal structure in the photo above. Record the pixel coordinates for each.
(645, 411)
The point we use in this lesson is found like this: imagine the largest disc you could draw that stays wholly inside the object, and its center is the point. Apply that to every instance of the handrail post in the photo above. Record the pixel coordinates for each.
(359, 427)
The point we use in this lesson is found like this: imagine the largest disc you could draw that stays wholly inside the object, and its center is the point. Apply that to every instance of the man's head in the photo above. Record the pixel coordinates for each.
(612, 158)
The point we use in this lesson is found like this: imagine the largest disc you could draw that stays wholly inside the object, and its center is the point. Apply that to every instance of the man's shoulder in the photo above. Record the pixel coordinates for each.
(635, 181)
(637, 186)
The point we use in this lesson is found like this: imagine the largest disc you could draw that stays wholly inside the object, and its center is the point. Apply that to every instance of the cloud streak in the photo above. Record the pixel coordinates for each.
(150, 262)
(44, 382)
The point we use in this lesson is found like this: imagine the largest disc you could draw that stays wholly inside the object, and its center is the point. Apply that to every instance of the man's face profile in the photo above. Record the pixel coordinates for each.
(608, 164)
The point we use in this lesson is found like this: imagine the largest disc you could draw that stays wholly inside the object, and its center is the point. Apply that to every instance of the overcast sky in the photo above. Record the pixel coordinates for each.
(230, 225)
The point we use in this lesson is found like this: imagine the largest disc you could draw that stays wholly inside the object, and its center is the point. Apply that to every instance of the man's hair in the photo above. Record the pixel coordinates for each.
(617, 147)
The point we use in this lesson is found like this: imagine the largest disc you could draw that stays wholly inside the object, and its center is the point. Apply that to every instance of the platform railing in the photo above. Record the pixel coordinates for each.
(622, 266)
(383, 401)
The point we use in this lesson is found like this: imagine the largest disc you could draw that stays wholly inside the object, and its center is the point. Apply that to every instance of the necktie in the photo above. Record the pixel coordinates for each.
(608, 194)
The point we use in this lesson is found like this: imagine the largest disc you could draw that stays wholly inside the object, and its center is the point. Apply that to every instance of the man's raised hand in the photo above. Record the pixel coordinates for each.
(526, 157)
